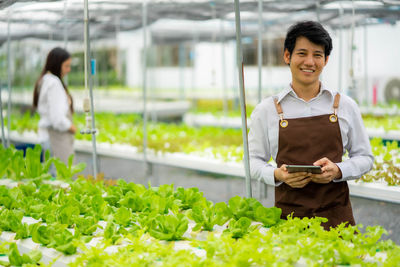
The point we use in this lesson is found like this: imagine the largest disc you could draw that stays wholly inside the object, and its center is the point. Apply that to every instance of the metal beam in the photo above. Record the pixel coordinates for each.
(242, 99)
(87, 67)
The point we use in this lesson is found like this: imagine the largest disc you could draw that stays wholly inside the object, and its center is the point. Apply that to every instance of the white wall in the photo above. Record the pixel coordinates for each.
(376, 57)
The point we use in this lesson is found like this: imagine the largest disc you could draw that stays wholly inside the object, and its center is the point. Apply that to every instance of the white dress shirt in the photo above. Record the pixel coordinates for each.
(264, 132)
(53, 106)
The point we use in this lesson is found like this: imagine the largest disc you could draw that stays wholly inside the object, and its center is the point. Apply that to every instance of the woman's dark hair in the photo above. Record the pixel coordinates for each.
(313, 31)
(56, 57)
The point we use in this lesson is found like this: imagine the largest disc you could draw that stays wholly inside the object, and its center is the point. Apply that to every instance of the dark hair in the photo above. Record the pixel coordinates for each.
(56, 57)
(311, 30)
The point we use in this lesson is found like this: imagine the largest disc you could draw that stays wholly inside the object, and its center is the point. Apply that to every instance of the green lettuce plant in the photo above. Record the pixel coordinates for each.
(66, 172)
(206, 215)
(16, 259)
(168, 227)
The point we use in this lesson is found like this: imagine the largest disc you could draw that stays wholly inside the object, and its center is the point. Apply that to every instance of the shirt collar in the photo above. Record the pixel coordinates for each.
(289, 90)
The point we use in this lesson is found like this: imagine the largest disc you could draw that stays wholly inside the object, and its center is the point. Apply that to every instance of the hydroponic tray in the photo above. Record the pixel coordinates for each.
(377, 191)
(180, 160)
(117, 104)
(381, 133)
(48, 254)
(235, 122)
(380, 111)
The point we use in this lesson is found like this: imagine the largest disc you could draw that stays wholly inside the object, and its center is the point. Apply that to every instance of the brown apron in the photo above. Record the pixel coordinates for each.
(303, 141)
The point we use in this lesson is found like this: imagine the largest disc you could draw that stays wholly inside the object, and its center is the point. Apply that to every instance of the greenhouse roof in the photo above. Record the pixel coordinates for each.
(57, 20)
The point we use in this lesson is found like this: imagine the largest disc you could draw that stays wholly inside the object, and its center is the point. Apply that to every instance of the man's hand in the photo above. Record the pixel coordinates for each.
(330, 171)
(295, 180)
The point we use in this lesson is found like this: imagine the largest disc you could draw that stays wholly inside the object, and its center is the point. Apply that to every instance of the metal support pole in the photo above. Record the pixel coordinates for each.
(318, 11)
(365, 64)
(144, 85)
(8, 80)
(235, 86)
(3, 137)
(269, 51)
(340, 65)
(182, 65)
(261, 184)
(119, 57)
(223, 64)
(94, 45)
(242, 99)
(65, 33)
(65, 24)
(259, 48)
(352, 90)
(87, 66)
(213, 41)
(195, 40)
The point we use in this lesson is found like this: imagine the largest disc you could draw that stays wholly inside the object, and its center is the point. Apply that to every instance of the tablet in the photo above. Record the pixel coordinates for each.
(304, 168)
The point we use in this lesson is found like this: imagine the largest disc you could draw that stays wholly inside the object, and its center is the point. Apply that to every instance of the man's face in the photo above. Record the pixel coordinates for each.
(65, 67)
(306, 62)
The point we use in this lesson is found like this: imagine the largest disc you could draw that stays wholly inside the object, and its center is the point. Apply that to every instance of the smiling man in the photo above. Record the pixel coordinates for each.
(309, 124)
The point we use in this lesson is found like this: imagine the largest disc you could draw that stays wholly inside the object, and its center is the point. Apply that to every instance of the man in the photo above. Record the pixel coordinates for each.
(309, 124)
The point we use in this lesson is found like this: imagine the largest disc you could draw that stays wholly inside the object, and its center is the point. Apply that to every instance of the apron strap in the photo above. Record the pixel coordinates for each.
(333, 118)
(336, 103)
(278, 107)
(283, 123)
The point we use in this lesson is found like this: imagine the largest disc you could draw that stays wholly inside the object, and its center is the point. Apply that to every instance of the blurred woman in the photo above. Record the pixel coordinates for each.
(54, 104)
